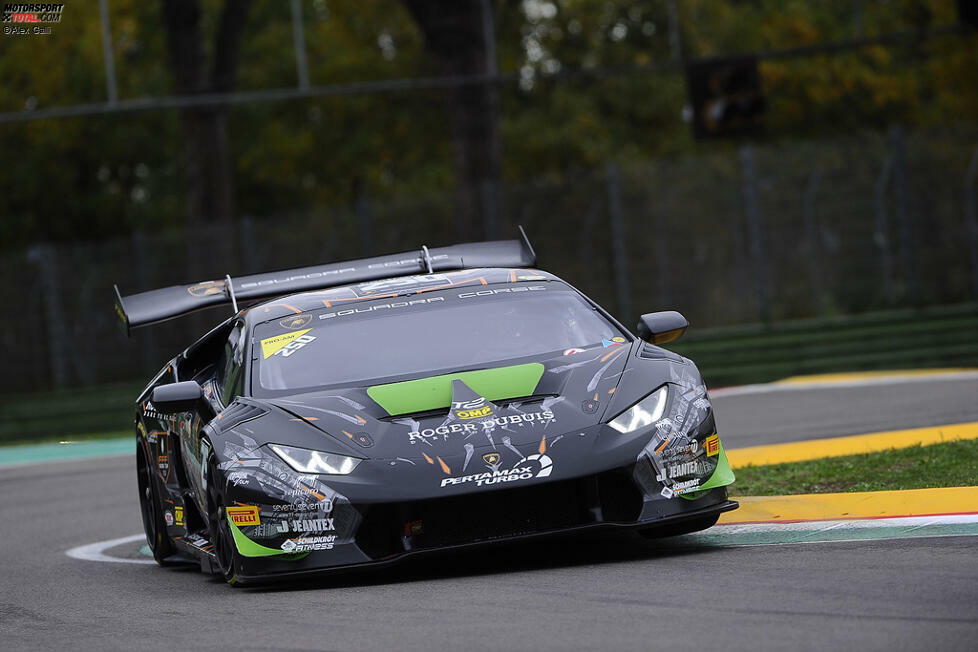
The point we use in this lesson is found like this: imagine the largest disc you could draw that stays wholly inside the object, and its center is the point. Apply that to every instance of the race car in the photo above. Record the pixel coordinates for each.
(358, 413)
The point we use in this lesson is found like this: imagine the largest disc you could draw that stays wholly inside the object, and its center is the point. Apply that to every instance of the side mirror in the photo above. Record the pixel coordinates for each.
(177, 397)
(662, 327)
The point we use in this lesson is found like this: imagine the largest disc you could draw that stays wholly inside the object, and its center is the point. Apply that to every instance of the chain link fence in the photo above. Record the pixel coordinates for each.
(756, 234)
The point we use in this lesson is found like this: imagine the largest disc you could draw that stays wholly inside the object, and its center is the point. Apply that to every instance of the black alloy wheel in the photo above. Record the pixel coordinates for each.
(149, 505)
(218, 527)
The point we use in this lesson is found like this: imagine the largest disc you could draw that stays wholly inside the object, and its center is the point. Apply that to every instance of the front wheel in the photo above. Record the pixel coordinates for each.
(218, 526)
(149, 505)
(684, 527)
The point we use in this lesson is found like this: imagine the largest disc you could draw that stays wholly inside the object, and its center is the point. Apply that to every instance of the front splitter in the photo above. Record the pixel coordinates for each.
(719, 508)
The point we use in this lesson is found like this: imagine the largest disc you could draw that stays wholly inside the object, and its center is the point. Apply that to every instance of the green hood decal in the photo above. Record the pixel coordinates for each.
(435, 393)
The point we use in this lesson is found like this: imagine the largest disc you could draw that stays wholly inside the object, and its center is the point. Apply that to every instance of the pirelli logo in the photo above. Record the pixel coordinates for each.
(712, 445)
(242, 515)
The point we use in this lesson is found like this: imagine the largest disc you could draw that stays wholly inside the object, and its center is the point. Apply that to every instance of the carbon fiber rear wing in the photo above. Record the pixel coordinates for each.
(157, 306)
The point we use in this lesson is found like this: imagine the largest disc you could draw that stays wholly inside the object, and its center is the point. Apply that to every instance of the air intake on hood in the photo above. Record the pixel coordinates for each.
(236, 414)
(653, 352)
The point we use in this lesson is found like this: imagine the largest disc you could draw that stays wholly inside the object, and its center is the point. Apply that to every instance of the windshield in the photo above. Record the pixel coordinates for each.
(417, 337)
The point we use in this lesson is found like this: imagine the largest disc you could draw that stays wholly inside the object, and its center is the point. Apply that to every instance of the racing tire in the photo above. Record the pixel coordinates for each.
(149, 505)
(218, 527)
(685, 527)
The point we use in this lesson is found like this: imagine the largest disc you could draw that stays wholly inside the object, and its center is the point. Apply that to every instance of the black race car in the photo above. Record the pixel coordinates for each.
(370, 410)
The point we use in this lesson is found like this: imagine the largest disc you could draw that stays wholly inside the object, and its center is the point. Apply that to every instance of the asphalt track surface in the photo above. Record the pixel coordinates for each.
(755, 419)
(601, 592)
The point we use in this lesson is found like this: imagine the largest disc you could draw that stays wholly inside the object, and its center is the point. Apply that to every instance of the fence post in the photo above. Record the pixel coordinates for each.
(755, 230)
(811, 234)
(971, 216)
(46, 261)
(107, 53)
(675, 38)
(299, 43)
(618, 252)
(881, 232)
(908, 244)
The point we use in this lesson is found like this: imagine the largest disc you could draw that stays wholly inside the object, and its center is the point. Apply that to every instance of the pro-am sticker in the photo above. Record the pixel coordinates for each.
(285, 344)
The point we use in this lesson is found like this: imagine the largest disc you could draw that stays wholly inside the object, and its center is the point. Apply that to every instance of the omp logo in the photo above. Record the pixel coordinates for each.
(295, 321)
(472, 409)
(242, 515)
(712, 445)
(206, 288)
(474, 414)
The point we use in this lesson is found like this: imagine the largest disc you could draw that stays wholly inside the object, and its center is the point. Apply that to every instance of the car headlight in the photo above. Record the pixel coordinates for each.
(304, 460)
(642, 414)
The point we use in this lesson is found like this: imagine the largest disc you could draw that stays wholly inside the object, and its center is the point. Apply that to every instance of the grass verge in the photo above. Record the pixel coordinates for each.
(951, 464)
(65, 439)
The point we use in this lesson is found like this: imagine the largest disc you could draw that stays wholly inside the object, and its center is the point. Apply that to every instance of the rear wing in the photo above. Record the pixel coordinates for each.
(157, 306)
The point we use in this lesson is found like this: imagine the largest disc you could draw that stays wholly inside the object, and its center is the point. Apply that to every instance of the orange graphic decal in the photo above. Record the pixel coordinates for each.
(444, 467)
(613, 354)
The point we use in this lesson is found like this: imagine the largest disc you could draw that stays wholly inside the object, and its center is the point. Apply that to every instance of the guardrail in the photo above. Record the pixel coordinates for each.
(945, 336)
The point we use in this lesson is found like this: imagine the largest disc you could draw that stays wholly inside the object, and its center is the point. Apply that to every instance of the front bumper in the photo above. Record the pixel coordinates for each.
(392, 532)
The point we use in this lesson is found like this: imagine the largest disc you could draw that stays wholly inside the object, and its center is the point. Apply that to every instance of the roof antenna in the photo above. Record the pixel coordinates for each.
(427, 258)
(229, 290)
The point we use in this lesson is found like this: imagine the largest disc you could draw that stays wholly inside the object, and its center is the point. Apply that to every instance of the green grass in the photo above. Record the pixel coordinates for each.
(91, 436)
(952, 464)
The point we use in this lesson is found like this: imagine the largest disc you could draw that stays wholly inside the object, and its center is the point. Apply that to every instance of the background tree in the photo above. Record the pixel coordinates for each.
(207, 155)
(455, 33)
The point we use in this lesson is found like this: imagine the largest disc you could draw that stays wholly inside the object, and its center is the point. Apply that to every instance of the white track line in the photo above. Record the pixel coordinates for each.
(93, 551)
(767, 388)
(911, 522)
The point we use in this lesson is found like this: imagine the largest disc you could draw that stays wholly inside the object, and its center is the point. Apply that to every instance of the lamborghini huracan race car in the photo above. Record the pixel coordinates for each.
(357, 413)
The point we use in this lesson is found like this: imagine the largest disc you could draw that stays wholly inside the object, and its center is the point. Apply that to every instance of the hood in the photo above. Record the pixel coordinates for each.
(429, 419)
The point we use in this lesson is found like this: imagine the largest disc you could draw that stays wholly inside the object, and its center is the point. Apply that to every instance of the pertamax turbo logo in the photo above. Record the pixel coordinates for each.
(534, 466)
